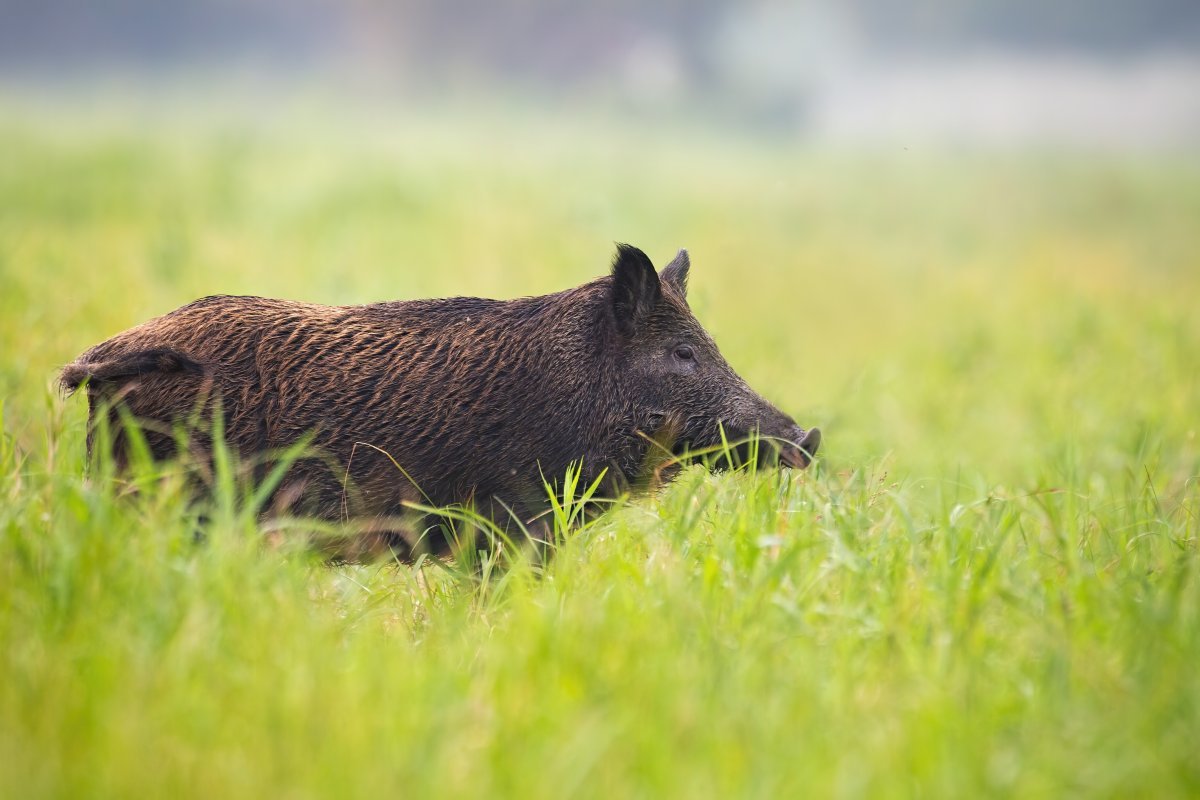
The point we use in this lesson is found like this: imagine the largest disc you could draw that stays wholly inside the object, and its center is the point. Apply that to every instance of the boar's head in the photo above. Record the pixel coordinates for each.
(674, 376)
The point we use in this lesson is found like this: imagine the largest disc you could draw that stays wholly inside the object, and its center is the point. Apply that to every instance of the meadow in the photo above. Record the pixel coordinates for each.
(988, 585)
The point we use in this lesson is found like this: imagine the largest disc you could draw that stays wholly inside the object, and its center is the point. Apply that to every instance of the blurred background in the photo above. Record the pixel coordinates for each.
(1115, 73)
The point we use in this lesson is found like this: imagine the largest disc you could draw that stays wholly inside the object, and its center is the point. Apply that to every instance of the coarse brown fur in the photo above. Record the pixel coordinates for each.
(438, 402)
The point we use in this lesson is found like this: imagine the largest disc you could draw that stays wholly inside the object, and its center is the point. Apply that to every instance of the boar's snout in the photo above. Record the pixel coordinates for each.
(798, 452)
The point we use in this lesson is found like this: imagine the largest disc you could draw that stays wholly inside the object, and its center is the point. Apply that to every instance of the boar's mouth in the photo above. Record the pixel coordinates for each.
(800, 454)
(795, 451)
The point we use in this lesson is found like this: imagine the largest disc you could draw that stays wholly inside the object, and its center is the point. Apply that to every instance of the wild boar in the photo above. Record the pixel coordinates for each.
(440, 402)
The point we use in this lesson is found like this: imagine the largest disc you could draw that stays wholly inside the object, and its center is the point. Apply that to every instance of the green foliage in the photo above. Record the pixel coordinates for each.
(987, 585)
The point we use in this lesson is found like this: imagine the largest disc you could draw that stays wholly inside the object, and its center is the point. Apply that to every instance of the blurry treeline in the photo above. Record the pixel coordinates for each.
(1007, 68)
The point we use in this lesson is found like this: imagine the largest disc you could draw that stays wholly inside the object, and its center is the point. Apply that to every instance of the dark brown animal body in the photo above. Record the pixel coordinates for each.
(440, 402)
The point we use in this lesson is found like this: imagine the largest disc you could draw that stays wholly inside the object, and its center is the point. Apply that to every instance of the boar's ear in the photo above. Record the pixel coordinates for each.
(635, 288)
(676, 273)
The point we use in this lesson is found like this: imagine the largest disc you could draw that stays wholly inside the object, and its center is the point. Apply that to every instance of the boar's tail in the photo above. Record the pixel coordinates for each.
(127, 365)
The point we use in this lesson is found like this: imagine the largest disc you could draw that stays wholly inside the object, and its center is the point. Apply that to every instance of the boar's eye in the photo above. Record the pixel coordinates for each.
(684, 352)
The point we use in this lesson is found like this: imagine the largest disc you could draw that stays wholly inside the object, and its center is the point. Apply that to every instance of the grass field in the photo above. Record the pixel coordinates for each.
(989, 586)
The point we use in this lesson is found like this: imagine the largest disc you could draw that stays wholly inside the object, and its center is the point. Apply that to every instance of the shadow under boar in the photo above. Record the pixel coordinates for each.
(439, 402)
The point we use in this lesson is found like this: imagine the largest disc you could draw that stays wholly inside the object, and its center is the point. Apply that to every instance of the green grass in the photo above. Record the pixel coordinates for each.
(989, 586)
